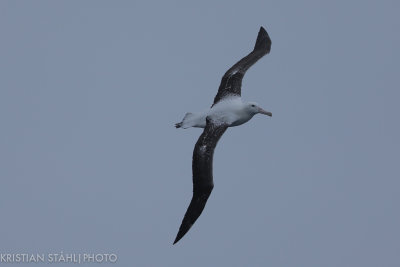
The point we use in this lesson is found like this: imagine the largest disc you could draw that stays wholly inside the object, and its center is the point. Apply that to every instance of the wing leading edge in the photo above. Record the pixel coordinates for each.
(231, 82)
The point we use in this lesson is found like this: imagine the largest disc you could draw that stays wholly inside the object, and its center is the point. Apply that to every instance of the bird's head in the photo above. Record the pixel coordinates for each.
(254, 108)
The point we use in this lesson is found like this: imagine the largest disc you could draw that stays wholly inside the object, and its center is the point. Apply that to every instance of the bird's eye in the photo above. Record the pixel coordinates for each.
(253, 106)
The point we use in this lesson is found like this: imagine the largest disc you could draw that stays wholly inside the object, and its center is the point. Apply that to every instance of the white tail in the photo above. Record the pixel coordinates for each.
(192, 120)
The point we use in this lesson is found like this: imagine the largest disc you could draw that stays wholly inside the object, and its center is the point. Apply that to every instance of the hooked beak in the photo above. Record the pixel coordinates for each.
(265, 112)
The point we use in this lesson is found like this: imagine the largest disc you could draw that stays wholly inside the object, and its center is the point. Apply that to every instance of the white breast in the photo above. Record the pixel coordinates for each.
(229, 111)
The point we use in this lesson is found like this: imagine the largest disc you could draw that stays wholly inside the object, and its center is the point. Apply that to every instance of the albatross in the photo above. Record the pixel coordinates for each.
(228, 110)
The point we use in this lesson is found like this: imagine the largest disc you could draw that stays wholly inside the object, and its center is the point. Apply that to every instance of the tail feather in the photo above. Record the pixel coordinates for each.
(185, 123)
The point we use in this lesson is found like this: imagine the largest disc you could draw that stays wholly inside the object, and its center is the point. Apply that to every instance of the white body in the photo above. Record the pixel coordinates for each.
(231, 111)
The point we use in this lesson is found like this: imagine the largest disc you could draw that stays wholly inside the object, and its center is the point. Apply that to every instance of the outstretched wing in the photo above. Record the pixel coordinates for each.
(202, 174)
(231, 82)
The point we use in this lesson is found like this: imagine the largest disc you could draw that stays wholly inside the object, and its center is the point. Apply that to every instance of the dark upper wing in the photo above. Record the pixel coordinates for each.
(231, 82)
(202, 174)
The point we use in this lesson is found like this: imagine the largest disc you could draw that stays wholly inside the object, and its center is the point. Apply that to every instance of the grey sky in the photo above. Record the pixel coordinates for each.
(90, 160)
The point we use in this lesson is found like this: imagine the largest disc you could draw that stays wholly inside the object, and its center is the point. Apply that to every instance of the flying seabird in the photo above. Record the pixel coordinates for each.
(228, 110)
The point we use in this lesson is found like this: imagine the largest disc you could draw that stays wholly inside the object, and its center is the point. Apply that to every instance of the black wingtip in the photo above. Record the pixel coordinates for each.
(195, 208)
(177, 239)
(180, 235)
(183, 229)
(263, 41)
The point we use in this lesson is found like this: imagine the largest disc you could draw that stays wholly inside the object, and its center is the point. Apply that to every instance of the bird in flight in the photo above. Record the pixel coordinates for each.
(228, 110)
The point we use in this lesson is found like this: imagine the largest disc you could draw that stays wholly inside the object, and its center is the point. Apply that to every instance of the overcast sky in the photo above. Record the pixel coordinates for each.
(90, 160)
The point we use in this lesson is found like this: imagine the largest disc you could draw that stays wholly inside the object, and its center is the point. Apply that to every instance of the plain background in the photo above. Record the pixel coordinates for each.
(90, 160)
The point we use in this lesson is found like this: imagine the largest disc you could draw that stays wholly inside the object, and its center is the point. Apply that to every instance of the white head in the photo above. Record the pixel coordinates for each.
(254, 108)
